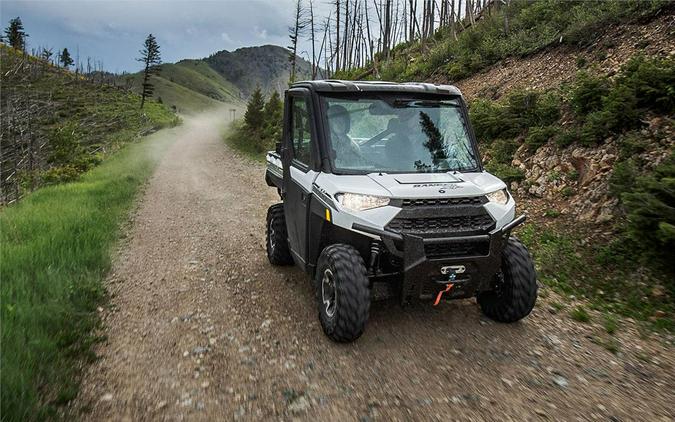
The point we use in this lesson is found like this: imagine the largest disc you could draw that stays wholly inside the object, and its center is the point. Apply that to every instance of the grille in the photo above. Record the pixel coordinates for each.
(440, 217)
(434, 202)
(460, 223)
(457, 249)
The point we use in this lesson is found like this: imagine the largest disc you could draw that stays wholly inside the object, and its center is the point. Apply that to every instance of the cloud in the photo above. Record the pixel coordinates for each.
(226, 38)
(113, 30)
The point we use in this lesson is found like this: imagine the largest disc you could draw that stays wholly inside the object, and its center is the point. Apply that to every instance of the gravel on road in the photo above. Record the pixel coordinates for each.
(201, 327)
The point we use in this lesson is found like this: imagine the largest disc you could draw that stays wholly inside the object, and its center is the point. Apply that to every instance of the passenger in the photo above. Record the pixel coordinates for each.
(346, 152)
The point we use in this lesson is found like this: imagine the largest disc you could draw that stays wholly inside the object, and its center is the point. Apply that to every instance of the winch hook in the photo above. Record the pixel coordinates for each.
(440, 294)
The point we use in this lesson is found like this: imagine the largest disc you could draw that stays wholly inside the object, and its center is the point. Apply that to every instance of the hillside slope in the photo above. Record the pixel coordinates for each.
(56, 124)
(188, 86)
(554, 66)
(574, 108)
(225, 77)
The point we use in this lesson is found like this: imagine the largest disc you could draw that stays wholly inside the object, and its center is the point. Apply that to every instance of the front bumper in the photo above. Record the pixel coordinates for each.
(425, 273)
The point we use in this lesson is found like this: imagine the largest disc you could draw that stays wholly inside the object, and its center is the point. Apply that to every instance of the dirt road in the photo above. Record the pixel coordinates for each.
(201, 327)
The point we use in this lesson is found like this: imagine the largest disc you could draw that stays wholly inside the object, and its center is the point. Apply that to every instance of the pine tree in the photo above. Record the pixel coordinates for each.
(65, 58)
(15, 35)
(273, 113)
(151, 59)
(254, 117)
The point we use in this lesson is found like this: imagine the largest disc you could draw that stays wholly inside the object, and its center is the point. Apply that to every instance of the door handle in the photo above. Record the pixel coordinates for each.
(303, 196)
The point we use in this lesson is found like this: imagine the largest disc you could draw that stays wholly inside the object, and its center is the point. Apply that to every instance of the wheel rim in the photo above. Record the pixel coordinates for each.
(328, 293)
(272, 234)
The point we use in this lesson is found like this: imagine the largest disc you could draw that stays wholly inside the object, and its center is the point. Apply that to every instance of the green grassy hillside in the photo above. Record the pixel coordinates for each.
(56, 124)
(224, 77)
(188, 86)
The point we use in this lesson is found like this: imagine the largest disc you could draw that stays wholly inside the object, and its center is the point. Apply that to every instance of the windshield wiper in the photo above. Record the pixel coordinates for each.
(424, 103)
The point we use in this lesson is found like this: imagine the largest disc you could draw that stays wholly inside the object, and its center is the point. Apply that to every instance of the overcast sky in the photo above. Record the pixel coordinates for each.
(113, 31)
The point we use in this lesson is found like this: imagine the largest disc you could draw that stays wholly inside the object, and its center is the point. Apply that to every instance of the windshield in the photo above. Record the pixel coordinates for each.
(398, 133)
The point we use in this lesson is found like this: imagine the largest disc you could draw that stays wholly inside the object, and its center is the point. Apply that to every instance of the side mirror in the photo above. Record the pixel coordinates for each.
(277, 147)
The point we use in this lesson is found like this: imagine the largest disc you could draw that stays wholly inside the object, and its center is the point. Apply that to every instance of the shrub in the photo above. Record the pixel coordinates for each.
(567, 191)
(55, 175)
(566, 137)
(64, 142)
(622, 178)
(511, 117)
(631, 144)
(581, 62)
(538, 136)
(503, 150)
(551, 213)
(487, 118)
(586, 95)
(651, 213)
(643, 85)
(505, 172)
(652, 82)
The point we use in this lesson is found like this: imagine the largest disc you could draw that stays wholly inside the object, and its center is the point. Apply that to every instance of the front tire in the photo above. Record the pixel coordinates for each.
(278, 251)
(516, 293)
(343, 293)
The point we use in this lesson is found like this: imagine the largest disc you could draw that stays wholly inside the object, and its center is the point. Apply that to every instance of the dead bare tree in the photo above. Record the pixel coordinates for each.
(386, 37)
(337, 36)
(469, 12)
(294, 33)
(312, 38)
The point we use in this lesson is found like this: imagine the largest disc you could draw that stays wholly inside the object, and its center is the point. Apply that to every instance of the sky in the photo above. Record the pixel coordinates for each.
(112, 31)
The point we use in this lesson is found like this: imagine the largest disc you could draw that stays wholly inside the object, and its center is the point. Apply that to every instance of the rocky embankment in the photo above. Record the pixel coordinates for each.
(576, 179)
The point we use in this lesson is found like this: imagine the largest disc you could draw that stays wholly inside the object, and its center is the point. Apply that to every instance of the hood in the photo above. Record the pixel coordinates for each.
(432, 185)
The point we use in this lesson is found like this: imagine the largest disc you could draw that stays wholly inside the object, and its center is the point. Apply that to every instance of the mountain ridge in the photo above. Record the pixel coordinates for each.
(224, 77)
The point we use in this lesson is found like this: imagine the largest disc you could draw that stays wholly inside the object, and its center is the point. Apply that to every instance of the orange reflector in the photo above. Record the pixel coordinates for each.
(327, 214)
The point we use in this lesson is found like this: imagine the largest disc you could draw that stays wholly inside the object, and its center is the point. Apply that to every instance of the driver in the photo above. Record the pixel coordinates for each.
(346, 152)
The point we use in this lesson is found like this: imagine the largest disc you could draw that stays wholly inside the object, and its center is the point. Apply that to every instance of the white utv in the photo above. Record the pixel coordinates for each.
(384, 194)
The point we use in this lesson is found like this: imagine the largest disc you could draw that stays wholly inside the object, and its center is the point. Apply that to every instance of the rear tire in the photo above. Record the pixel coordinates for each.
(278, 251)
(343, 293)
(514, 296)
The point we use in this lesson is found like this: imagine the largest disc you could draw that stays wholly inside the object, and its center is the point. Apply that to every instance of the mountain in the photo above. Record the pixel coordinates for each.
(224, 77)
(266, 66)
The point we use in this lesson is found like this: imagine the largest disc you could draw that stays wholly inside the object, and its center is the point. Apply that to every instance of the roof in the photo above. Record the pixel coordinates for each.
(333, 85)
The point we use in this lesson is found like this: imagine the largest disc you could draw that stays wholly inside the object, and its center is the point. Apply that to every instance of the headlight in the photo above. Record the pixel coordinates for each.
(500, 197)
(357, 202)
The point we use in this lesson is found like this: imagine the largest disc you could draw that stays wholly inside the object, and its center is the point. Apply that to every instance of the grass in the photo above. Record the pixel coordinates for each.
(238, 138)
(611, 344)
(573, 268)
(189, 86)
(56, 250)
(610, 323)
(557, 306)
(579, 313)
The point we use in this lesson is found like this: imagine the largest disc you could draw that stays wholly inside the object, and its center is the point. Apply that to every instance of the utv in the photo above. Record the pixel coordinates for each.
(384, 194)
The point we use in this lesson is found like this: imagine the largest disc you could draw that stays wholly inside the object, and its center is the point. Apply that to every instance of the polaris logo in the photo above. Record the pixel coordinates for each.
(453, 269)
(436, 185)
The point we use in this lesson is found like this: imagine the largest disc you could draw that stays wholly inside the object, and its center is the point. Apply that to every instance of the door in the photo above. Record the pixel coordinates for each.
(298, 175)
